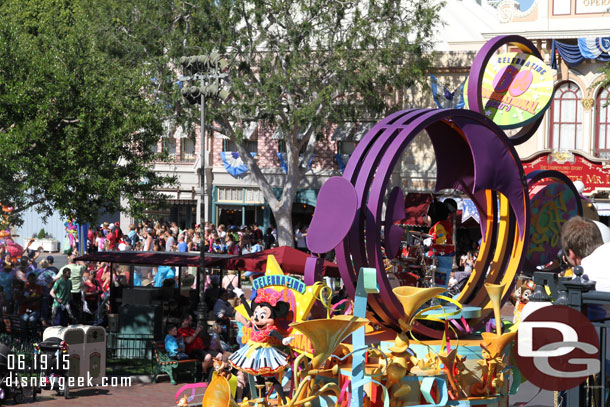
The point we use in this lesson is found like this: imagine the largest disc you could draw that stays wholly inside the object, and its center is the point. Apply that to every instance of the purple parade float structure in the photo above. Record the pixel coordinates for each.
(474, 156)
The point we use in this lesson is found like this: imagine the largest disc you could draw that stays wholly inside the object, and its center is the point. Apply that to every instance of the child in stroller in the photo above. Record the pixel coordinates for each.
(52, 365)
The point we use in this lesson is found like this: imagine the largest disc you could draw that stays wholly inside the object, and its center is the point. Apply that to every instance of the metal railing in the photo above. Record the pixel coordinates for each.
(129, 353)
(129, 346)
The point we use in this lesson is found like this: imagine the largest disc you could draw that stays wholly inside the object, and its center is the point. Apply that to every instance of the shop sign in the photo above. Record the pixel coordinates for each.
(594, 175)
(592, 6)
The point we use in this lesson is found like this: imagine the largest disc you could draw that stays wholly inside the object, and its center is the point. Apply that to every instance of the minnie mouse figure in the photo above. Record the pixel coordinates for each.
(262, 355)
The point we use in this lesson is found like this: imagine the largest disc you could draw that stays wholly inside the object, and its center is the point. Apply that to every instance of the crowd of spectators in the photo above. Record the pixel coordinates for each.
(157, 236)
(40, 295)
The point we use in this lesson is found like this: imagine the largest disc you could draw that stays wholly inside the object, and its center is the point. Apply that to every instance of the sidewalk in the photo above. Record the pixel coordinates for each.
(138, 394)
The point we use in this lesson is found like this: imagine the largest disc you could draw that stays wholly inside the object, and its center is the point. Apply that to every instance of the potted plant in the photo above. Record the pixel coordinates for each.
(44, 240)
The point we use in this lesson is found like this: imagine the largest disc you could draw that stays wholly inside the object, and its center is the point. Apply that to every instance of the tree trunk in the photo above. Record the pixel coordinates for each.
(281, 208)
(283, 220)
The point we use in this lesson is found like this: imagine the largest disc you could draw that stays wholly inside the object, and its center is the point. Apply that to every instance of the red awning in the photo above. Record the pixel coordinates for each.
(292, 261)
(416, 208)
(155, 258)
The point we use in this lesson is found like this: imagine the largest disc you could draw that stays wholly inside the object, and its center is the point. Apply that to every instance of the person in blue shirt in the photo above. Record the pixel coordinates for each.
(256, 247)
(137, 277)
(218, 246)
(182, 245)
(163, 273)
(133, 236)
(174, 344)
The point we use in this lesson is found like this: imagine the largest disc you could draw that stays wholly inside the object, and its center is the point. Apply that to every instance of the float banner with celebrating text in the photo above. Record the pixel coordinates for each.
(516, 90)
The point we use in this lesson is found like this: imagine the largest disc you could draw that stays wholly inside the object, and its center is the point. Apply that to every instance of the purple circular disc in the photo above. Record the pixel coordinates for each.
(334, 214)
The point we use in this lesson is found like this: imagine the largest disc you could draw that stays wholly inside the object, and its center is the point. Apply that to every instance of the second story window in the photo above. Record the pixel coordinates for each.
(188, 149)
(602, 108)
(251, 146)
(169, 146)
(566, 118)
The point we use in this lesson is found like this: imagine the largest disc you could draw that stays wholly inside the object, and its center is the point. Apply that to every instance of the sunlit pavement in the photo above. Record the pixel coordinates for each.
(149, 395)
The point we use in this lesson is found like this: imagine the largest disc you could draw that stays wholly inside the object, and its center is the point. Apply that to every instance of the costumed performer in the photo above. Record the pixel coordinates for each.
(263, 356)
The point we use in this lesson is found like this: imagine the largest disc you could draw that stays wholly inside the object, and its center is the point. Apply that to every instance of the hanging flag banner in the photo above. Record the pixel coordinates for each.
(469, 210)
(284, 166)
(445, 99)
(597, 49)
(517, 88)
(233, 163)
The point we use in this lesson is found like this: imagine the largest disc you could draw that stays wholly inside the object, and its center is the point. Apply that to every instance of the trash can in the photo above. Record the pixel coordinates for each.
(86, 350)
(94, 360)
(74, 335)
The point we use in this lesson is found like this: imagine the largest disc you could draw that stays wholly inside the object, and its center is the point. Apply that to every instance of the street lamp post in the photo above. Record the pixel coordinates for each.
(202, 309)
(207, 72)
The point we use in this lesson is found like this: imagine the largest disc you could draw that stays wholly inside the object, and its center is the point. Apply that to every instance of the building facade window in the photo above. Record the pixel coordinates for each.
(281, 146)
(602, 144)
(188, 149)
(566, 118)
(251, 146)
(169, 146)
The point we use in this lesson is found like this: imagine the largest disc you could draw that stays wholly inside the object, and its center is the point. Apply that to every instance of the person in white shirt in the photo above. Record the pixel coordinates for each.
(300, 236)
(584, 246)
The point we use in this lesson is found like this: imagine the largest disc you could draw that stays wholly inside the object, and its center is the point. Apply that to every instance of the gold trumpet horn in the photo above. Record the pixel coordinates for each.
(495, 295)
(326, 334)
(495, 344)
(412, 298)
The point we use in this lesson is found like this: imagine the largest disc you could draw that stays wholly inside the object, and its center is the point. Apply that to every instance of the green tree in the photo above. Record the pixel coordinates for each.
(77, 126)
(295, 64)
(302, 65)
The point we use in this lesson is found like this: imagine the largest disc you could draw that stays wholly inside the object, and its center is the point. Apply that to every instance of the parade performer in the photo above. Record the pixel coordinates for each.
(71, 237)
(262, 356)
(442, 242)
(521, 296)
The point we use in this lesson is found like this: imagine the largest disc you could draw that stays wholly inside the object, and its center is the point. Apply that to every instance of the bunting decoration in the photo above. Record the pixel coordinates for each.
(447, 99)
(233, 163)
(587, 48)
(282, 157)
